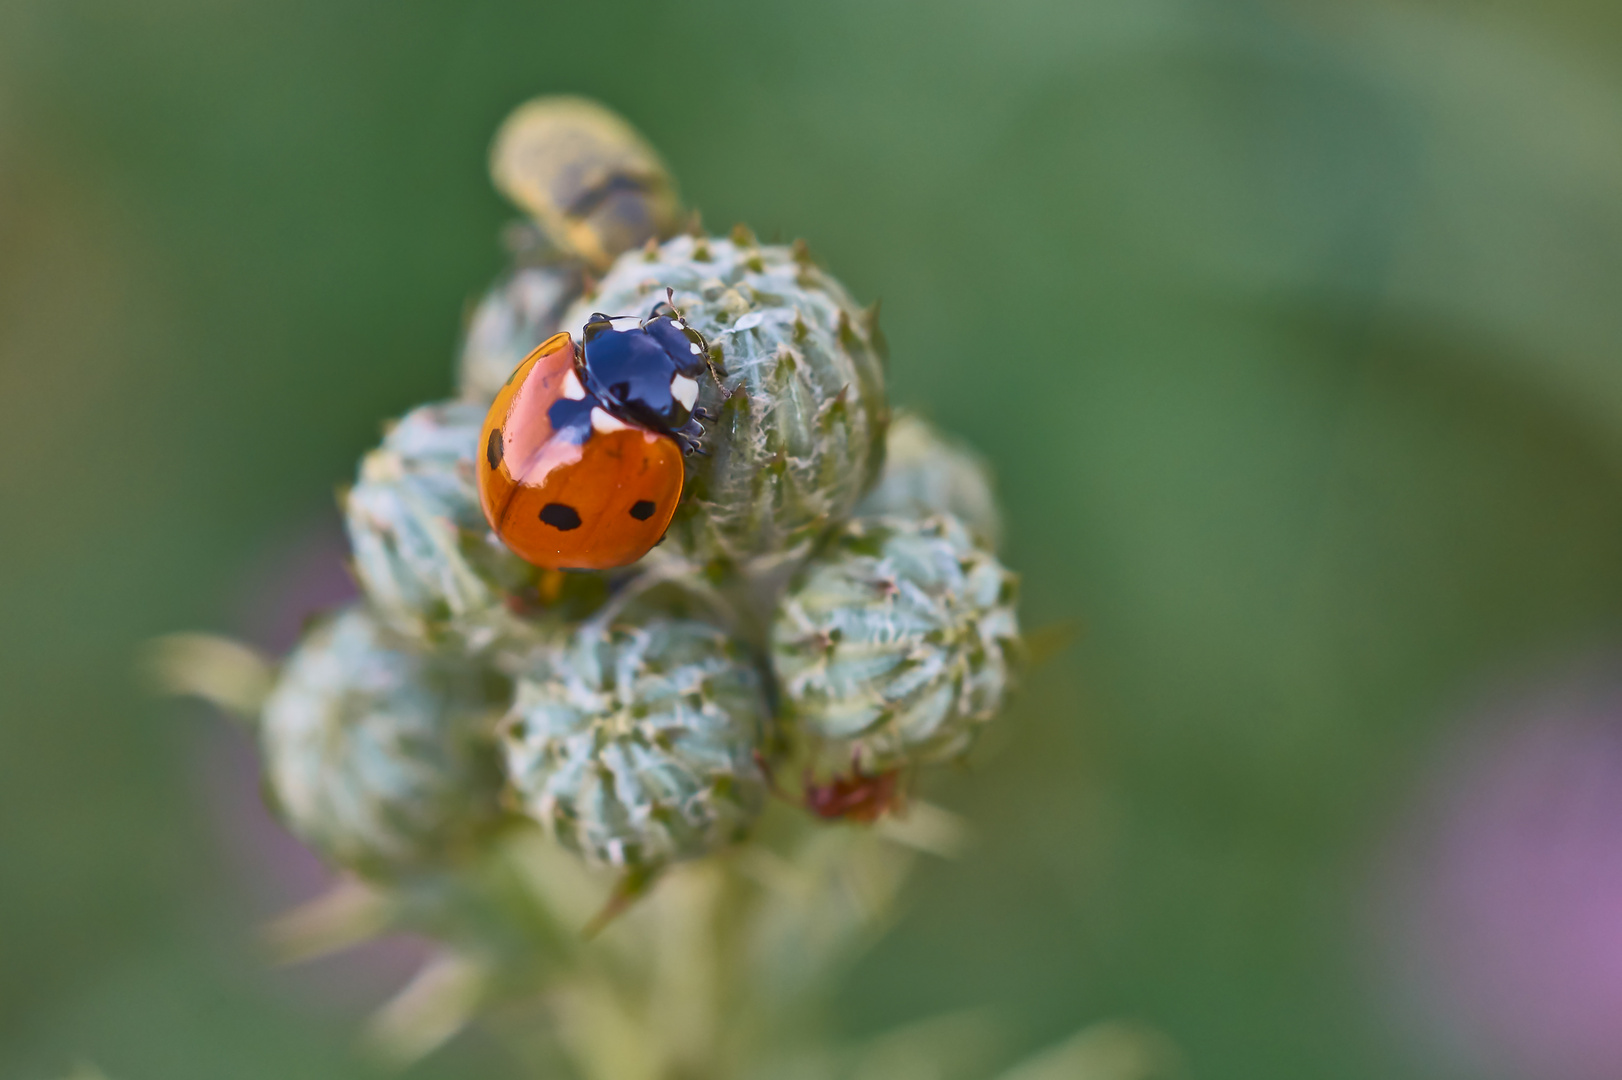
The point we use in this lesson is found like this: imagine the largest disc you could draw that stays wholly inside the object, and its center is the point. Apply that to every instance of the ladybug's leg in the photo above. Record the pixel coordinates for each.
(688, 435)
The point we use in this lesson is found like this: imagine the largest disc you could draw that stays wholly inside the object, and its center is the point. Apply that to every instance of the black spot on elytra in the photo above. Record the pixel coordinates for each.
(642, 510)
(493, 449)
(560, 516)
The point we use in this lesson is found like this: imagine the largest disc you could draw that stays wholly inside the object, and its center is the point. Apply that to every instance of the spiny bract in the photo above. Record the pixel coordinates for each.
(378, 753)
(635, 744)
(800, 431)
(892, 650)
(423, 551)
(927, 472)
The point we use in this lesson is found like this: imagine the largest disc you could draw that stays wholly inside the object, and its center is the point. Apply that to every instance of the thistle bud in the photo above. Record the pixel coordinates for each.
(423, 550)
(927, 472)
(892, 649)
(378, 753)
(634, 745)
(799, 409)
(588, 178)
(522, 309)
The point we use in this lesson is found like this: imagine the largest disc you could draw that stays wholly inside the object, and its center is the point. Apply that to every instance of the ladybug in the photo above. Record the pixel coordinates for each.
(580, 462)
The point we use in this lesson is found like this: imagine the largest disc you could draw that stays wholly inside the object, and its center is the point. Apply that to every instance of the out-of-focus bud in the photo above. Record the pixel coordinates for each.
(927, 472)
(635, 745)
(522, 308)
(378, 753)
(798, 431)
(587, 177)
(893, 648)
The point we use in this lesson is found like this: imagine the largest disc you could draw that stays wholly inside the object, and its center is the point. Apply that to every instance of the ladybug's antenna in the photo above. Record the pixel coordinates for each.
(668, 302)
(599, 317)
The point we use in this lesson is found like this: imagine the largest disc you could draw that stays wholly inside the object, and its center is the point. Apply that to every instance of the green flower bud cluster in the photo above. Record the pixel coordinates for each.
(813, 604)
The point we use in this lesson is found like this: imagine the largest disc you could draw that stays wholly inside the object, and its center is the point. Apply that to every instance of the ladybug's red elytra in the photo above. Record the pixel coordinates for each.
(580, 457)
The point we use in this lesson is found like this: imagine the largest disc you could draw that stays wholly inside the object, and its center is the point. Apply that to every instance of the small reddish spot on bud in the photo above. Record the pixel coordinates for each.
(856, 797)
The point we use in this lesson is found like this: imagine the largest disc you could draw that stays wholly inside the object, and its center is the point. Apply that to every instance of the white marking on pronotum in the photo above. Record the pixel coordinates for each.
(692, 347)
(601, 421)
(572, 388)
(685, 390)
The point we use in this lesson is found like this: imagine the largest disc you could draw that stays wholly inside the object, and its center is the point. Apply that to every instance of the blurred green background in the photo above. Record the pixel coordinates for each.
(1294, 332)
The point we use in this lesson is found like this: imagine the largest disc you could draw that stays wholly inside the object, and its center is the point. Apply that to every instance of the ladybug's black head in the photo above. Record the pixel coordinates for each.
(597, 324)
